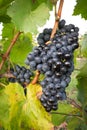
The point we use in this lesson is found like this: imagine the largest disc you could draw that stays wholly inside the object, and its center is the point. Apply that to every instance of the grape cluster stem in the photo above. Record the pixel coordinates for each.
(58, 16)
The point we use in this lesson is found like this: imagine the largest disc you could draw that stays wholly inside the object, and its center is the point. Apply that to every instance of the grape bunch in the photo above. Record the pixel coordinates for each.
(44, 36)
(20, 75)
(55, 61)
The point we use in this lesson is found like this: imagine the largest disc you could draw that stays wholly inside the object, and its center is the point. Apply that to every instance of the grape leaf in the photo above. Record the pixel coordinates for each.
(11, 100)
(4, 108)
(3, 11)
(82, 89)
(5, 2)
(75, 123)
(5, 18)
(63, 107)
(8, 31)
(20, 112)
(16, 98)
(22, 46)
(81, 8)
(31, 15)
(84, 46)
(34, 115)
(15, 93)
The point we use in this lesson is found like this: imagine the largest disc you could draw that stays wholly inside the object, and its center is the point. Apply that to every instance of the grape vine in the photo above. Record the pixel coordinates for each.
(37, 87)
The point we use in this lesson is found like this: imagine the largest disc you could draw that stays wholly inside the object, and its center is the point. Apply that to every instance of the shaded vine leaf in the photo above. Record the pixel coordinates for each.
(82, 90)
(31, 15)
(63, 107)
(5, 19)
(3, 11)
(81, 8)
(5, 3)
(76, 124)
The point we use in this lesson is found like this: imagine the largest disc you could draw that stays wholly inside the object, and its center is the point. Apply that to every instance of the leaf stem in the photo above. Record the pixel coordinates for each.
(65, 114)
(5, 56)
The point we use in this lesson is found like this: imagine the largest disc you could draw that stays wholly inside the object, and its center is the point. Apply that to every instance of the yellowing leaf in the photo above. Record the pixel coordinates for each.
(36, 116)
(15, 93)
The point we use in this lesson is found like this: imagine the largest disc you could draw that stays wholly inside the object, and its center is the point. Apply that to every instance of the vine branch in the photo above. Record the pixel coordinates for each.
(5, 56)
(58, 15)
(7, 75)
(71, 101)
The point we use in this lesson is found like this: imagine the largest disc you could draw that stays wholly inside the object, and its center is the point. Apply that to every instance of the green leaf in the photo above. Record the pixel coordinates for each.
(75, 123)
(84, 46)
(31, 15)
(81, 8)
(82, 90)
(22, 46)
(71, 90)
(21, 49)
(8, 31)
(5, 19)
(33, 114)
(83, 71)
(3, 16)
(3, 11)
(65, 108)
(5, 2)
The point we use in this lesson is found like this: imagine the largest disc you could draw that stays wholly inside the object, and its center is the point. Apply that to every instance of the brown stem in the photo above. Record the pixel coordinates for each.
(5, 56)
(7, 75)
(71, 101)
(36, 77)
(57, 18)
